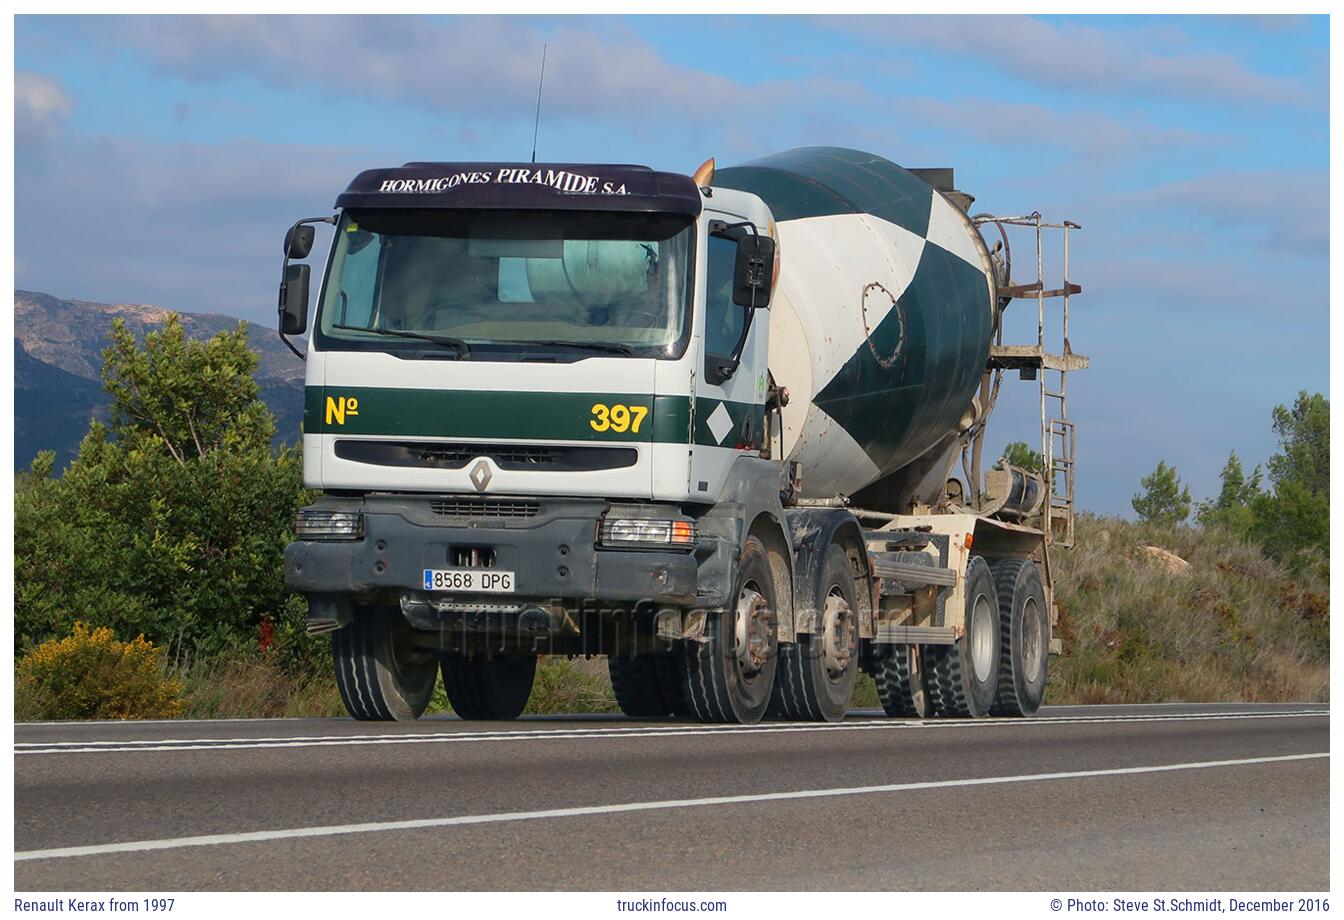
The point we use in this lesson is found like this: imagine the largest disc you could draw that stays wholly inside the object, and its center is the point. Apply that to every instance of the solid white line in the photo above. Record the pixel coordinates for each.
(228, 744)
(336, 830)
(598, 733)
(117, 723)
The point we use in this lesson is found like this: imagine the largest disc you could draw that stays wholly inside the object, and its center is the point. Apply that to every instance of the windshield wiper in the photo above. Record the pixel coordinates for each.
(462, 348)
(615, 348)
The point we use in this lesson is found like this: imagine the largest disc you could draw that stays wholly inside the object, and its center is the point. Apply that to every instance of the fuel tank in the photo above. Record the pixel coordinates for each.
(882, 317)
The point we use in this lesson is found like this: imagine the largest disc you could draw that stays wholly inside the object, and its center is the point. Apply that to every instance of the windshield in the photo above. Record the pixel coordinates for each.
(488, 283)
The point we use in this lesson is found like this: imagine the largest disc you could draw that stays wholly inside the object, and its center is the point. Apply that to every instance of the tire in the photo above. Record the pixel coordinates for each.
(900, 683)
(1024, 622)
(718, 683)
(647, 687)
(494, 689)
(814, 680)
(380, 676)
(963, 678)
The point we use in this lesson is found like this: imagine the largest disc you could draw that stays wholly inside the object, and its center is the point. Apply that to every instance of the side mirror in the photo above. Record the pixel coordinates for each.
(294, 298)
(299, 241)
(754, 271)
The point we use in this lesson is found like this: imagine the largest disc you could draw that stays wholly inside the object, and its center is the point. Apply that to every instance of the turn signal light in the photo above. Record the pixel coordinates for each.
(647, 532)
(329, 525)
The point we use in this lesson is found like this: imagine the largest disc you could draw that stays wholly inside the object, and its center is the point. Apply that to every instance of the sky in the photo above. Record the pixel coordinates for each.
(160, 159)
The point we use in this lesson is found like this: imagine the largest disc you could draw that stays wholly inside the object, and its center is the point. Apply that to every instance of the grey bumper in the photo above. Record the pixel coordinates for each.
(552, 553)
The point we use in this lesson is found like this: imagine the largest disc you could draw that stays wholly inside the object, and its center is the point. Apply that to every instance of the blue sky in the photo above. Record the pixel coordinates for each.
(159, 159)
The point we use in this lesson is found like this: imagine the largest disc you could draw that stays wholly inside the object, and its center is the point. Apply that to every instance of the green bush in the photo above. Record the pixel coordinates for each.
(172, 520)
(92, 675)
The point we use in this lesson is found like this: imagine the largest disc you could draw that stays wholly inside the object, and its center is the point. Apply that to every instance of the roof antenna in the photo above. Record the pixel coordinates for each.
(537, 123)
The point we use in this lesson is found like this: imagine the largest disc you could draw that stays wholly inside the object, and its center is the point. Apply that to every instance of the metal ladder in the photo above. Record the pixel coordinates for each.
(1058, 433)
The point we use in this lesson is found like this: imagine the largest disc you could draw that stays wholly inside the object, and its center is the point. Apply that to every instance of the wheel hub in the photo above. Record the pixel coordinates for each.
(751, 631)
(982, 637)
(837, 635)
(1033, 642)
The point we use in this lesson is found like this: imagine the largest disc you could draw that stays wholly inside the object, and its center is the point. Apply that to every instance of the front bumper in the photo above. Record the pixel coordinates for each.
(552, 553)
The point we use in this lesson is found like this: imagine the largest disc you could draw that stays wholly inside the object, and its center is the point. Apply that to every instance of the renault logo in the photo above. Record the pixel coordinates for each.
(480, 475)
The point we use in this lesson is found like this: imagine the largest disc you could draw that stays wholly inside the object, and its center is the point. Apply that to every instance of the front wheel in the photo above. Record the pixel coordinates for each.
(381, 675)
(816, 675)
(489, 689)
(729, 676)
(647, 686)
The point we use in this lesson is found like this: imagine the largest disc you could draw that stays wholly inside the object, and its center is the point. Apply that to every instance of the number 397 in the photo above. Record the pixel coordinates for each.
(618, 418)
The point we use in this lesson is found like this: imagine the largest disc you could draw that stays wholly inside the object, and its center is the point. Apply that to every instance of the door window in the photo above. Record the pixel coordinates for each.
(723, 318)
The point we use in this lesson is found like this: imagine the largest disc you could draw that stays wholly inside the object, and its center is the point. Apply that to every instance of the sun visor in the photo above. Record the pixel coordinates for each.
(524, 186)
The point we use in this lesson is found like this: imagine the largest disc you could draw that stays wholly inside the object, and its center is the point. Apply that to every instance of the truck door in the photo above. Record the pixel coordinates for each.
(729, 413)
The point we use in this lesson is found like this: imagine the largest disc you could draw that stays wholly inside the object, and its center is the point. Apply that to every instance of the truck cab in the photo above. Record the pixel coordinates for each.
(536, 411)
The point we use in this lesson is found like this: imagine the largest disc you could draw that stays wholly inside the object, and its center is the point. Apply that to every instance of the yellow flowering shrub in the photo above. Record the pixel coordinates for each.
(94, 675)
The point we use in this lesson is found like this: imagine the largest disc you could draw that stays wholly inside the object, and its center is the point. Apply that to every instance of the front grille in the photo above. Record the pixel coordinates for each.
(484, 508)
(447, 456)
(458, 455)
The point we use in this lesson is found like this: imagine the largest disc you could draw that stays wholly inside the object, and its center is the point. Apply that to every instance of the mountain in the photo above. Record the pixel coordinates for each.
(58, 346)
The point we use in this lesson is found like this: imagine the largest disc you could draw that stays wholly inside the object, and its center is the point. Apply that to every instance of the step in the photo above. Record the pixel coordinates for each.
(1034, 290)
(911, 574)
(915, 635)
(1018, 357)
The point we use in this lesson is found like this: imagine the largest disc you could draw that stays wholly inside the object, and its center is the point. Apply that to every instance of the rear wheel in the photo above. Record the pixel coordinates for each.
(816, 675)
(963, 678)
(648, 686)
(1024, 623)
(489, 688)
(381, 675)
(900, 682)
(728, 677)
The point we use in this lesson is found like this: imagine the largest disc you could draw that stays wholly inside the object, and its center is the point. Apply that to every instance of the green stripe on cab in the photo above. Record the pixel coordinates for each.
(409, 412)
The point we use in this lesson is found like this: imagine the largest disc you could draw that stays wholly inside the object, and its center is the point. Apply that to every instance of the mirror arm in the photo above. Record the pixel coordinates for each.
(290, 345)
(284, 270)
(735, 232)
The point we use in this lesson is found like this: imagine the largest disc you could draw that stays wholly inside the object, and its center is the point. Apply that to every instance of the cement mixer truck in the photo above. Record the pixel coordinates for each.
(725, 429)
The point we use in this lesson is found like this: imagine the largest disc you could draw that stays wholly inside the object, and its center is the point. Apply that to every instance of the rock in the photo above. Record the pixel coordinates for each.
(1166, 559)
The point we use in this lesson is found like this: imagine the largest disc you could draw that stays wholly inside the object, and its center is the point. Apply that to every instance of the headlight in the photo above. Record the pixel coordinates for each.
(329, 525)
(645, 532)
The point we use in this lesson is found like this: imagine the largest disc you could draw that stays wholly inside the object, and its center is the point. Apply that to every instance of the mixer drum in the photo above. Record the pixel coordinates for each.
(881, 321)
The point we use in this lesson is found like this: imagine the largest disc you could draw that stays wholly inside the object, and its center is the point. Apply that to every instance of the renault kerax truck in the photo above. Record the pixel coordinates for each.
(724, 429)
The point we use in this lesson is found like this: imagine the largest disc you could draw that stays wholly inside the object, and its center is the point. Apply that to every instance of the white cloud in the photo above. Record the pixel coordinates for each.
(1279, 209)
(188, 226)
(483, 67)
(40, 105)
(1026, 124)
(1072, 56)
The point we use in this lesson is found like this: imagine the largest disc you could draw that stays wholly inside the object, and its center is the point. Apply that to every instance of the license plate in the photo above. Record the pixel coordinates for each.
(469, 581)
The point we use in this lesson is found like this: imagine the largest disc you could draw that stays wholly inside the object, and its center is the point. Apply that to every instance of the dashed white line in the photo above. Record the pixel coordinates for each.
(337, 830)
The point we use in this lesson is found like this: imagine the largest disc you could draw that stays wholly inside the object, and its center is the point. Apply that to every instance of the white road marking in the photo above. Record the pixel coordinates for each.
(130, 723)
(337, 830)
(614, 733)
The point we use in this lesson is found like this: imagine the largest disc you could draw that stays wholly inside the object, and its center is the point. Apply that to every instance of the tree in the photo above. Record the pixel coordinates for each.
(173, 518)
(1019, 454)
(1164, 499)
(1232, 509)
(1304, 444)
(1292, 523)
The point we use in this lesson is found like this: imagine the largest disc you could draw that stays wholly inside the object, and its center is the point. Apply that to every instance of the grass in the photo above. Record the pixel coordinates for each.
(257, 688)
(1234, 626)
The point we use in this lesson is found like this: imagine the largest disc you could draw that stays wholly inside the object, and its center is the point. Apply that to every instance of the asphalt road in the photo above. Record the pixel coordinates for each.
(1210, 797)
